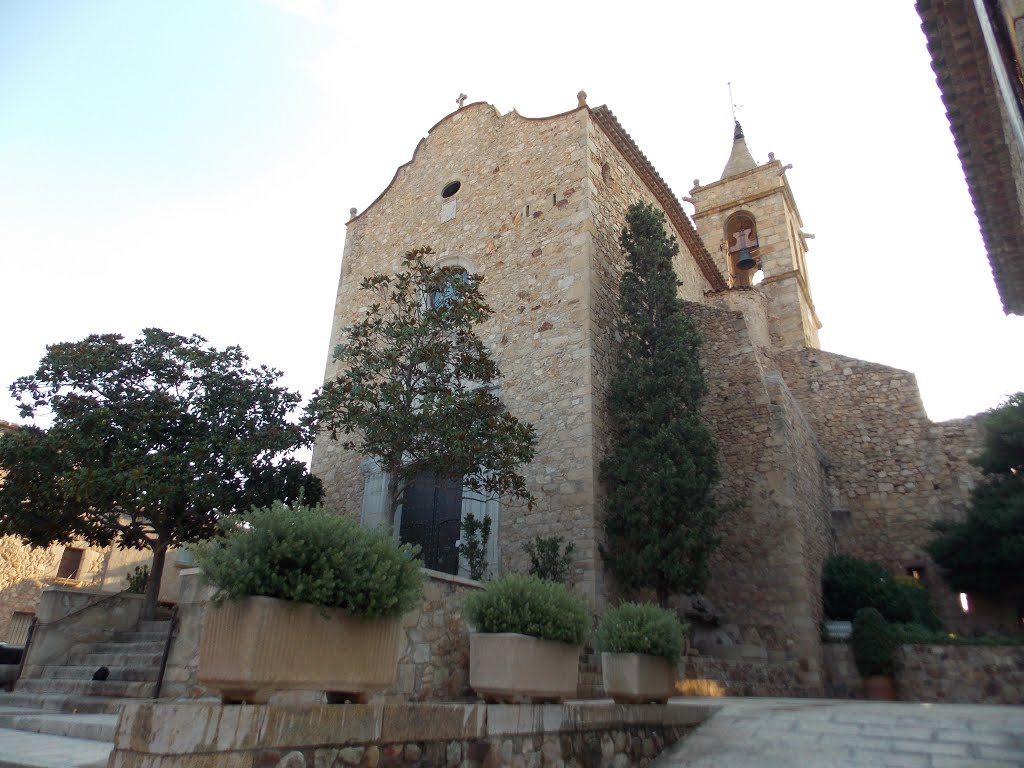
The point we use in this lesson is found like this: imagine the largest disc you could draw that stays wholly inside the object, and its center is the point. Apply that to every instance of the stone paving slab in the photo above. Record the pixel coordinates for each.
(824, 733)
(19, 749)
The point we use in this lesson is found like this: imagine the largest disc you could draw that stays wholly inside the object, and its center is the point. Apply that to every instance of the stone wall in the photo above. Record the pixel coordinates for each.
(165, 735)
(961, 674)
(433, 663)
(894, 471)
(519, 220)
(766, 574)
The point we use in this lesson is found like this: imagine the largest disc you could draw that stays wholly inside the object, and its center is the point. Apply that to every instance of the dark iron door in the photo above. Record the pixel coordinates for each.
(432, 518)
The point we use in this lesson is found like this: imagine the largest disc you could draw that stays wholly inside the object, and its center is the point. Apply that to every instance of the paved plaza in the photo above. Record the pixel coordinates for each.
(827, 733)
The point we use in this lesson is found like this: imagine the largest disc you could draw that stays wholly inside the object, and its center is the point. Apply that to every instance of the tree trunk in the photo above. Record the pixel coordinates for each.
(156, 572)
(392, 502)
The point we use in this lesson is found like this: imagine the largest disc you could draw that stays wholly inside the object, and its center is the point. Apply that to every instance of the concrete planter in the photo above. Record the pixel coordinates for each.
(251, 648)
(637, 678)
(513, 668)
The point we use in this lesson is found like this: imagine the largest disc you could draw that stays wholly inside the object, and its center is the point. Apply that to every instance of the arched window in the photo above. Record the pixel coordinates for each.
(744, 255)
(445, 292)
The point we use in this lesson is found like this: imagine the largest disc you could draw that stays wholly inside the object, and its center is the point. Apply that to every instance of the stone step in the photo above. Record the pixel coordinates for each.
(95, 727)
(154, 626)
(58, 702)
(110, 688)
(85, 672)
(133, 636)
(112, 660)
(19, 749)
(112, 647)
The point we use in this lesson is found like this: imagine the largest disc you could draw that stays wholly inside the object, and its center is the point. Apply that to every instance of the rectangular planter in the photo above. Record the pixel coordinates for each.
(508, 667)
(253, 647)
(636, 678)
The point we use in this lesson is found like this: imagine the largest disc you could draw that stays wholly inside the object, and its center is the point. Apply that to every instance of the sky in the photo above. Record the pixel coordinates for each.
(190, 165)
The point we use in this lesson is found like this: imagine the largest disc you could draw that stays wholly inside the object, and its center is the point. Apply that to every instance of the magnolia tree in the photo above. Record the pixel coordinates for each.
(416, 387)
(149, 442)
(663, 462)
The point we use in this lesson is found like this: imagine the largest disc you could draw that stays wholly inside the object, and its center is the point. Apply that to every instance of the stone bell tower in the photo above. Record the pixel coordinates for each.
(752, 227)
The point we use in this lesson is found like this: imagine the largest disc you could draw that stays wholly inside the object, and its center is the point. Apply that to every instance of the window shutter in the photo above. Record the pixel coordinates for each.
(375, 489)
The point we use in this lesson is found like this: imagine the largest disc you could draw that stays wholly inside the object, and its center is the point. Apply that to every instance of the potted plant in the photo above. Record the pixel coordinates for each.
(874, 652)
(527, 638)
(305, 600)
(640, 648)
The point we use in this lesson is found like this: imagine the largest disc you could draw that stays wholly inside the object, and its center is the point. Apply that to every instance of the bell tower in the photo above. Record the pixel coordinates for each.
(750, 223)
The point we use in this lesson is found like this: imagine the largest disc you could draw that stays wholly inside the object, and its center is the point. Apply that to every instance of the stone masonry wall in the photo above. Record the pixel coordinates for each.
(25, 572)
(895, 472)
(519, 222)
(603, 735)
(766, 572)
(948, 674)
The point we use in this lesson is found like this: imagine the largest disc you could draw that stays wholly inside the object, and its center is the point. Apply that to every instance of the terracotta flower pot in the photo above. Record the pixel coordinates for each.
(879, 688)
(253, 647)
(637, 678)
(508, 667)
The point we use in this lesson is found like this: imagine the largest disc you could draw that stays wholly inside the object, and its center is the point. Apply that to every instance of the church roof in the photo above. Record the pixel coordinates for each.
(664, 195)
(740, 159)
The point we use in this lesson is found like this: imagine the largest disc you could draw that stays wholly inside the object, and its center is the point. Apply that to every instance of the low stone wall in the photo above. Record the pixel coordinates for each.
(206, 735)
(951, 674)
(434, 657)
(713, 676)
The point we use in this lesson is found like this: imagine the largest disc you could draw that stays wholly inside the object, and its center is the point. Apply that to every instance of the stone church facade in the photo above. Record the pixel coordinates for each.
(819, 452)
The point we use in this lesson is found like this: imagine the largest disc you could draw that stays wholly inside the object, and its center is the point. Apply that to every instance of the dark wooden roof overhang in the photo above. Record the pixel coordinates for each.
(964, 72)
(662, 193)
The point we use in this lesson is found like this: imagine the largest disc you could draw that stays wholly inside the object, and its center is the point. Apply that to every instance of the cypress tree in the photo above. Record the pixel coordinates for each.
(660, 518)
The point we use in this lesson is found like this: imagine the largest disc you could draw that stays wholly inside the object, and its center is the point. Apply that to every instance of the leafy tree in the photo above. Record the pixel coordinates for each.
(550, 558)
(150, 442)
(661, 518)
(473, 548)
(985, 552)
(416, 387)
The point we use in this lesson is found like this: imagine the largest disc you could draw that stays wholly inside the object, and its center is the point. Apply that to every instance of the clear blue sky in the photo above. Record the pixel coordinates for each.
(190, 165)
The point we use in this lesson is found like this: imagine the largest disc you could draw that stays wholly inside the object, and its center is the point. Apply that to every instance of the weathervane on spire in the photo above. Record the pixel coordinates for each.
(732, 102)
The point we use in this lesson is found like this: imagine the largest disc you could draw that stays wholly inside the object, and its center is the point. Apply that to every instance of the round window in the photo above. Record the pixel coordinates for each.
(451, 189)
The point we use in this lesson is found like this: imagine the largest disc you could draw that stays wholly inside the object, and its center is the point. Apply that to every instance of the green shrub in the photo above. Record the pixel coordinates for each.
(530, 606)
(641, 628)
(309, 556)
(874, 646)
(922, 610)
(849, 584)
(473, 547)
(137, 580)
(548, 559)
(918, 634)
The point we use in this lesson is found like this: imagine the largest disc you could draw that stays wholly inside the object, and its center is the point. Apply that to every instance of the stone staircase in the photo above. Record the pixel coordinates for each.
(132, 656)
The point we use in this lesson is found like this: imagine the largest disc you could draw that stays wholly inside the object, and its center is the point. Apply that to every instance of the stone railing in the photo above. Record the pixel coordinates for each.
(962, 674)
(165, 734)
(68, 616)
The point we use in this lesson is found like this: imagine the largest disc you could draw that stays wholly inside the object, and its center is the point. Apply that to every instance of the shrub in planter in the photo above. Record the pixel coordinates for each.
(641, 645)
(294, 588)
(874, 652)
(527, 638)
(642, 628)
(528, 605)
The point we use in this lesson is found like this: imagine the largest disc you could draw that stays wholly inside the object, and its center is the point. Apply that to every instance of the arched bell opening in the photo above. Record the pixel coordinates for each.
(744, 254)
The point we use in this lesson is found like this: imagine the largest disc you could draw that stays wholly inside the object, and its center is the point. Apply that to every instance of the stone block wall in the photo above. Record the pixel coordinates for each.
(766, 574)
(163, 735)
(520, 222)
(895, 472)
(948, 674)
